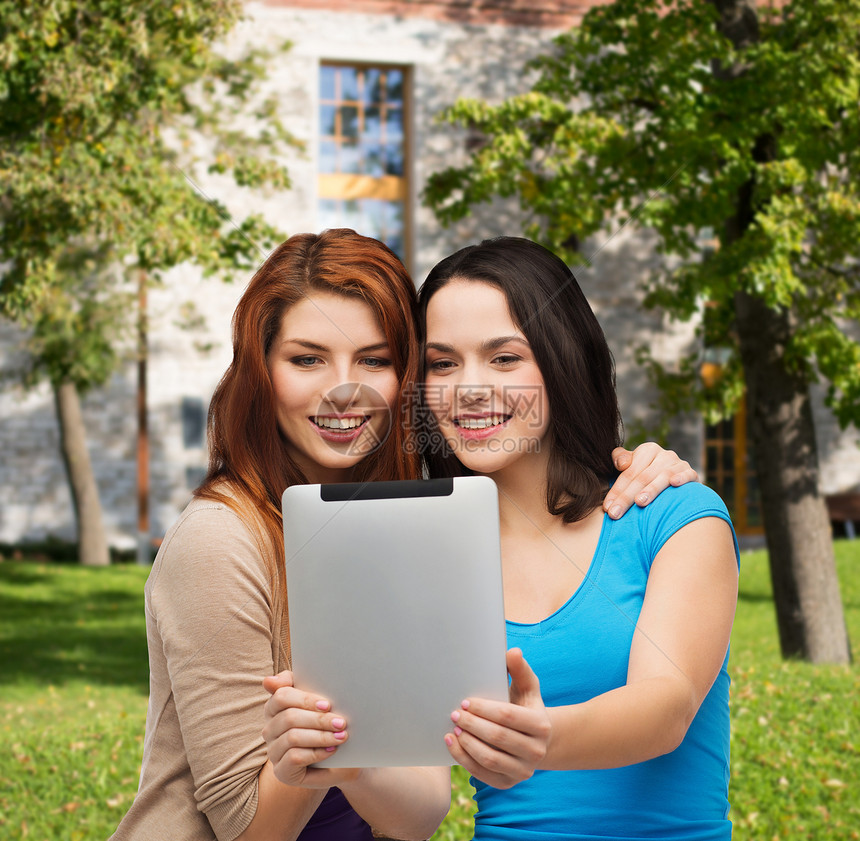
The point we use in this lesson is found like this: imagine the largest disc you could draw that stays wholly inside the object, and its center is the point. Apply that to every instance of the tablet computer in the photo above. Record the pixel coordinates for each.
(396, 609)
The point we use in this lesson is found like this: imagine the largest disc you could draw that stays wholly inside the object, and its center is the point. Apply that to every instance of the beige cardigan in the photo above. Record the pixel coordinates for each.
(214, 631)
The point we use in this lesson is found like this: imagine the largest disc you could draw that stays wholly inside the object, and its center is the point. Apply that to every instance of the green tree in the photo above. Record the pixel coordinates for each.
(703, 118)
(102, 106)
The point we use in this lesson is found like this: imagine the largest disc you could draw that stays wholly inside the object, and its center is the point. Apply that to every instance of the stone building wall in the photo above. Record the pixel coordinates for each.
(449, 56)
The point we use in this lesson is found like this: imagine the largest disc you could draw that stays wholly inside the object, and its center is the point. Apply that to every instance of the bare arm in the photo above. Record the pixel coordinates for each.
(407, 803)
(301, 729)
(404, 803)
(282, 811)
(680, 642)
(678, 648)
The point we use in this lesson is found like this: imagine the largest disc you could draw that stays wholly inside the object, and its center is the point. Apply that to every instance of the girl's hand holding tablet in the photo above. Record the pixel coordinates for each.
(301, 730)
(502, 744)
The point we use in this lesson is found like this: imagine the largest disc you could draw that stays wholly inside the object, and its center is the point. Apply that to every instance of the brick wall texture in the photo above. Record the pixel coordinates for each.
(531, 13)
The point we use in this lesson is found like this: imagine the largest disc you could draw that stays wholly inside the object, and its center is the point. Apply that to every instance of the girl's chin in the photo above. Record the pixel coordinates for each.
(481, 460)
(491, 456)
(354, 449)
(338, 455)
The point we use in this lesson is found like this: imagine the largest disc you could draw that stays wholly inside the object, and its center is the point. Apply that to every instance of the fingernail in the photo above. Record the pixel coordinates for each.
(457, 731)
(341, 735)
(455, 716)
(642, 499)
(449, 740)
(338, 723)
(615, 512)
(322, 705)
(465, 705)
(331, 749)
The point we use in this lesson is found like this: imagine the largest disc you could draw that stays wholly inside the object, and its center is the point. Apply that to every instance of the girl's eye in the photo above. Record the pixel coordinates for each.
(506, 359)
(305, 361)
(440, 365)
(376, 362)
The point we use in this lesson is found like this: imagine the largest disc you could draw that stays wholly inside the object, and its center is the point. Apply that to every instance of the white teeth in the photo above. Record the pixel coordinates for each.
(481, 423)
(338, 423)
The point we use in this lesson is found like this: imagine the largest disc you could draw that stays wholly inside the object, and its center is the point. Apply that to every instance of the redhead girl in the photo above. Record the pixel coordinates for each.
(325, 354)
(618, 630)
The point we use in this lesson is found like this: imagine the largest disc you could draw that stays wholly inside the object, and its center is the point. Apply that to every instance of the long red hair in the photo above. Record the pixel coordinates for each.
(249, 466)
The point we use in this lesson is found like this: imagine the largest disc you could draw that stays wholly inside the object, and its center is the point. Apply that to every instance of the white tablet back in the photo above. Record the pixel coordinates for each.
(396, 609)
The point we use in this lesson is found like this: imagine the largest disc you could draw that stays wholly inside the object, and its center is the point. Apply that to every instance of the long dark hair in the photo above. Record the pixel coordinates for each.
(547, 304)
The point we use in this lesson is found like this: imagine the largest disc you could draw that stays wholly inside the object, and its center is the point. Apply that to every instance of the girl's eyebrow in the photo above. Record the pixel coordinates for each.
(494, 344)
(487, 346)
(306, 343)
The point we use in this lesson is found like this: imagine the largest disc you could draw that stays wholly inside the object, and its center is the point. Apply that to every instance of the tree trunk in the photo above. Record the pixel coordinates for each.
(144, 543)
(92, 542)
(797, 527)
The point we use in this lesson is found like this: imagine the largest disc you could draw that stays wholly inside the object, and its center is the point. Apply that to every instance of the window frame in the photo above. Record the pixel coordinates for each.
(355, 186)
(741, 471)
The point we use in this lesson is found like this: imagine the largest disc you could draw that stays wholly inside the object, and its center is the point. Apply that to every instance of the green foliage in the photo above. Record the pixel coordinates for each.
(460, 823)
(104, 107)
(76, 325)
(73, 683)
(647, 113)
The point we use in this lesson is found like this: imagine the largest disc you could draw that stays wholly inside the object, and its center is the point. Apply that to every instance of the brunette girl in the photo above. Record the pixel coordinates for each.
(618, 725)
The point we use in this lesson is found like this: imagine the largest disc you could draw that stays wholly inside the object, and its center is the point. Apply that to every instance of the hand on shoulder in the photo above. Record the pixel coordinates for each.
(645, 473)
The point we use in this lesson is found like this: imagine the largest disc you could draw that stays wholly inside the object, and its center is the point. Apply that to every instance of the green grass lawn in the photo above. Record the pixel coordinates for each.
(73, 684)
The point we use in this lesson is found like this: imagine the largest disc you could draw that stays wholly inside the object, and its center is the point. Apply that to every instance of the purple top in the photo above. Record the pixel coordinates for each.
(336, 820)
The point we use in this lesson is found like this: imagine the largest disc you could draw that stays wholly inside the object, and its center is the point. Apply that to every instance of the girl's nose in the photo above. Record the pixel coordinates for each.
(354, 397)
(474, 393)
(344, 395)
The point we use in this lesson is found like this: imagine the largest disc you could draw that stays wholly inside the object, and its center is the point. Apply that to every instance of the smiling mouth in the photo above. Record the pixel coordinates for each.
(481, 423)
(339, 424)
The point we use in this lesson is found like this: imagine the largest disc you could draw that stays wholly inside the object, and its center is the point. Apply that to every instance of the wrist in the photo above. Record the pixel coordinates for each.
(557, 724)
(351, 779)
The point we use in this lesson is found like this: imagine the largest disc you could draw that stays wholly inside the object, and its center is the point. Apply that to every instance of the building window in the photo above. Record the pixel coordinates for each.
(730, 471)
(363, 162)
(193, 422)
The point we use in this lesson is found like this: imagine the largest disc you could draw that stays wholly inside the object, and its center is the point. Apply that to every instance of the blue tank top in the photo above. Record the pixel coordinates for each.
(581, 651)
